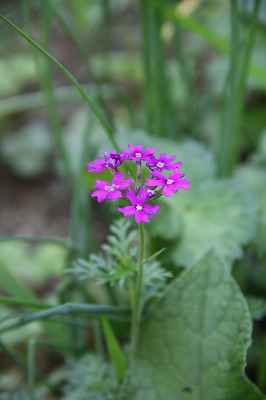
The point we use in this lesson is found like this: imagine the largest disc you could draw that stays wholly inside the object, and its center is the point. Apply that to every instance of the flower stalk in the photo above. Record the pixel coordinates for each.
(136, 311)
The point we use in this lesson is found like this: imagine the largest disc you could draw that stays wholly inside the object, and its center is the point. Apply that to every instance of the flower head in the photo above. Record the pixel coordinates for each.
(138, 154)
(138, 208)
(111, 190)
(141, 197)
(171, 184)
(163, 163)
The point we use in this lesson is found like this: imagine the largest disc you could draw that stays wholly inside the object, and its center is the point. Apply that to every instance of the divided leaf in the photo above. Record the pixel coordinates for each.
(217, 214)
(193, 343)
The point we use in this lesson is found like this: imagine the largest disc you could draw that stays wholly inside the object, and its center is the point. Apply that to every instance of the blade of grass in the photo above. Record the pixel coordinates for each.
(229, 139)
(19, 291)
(70, 77)
(13, 301)
(91, 310)
(17, 360)
(228, 125)
(30, 101)
(14, 286)
(63, 19)
(156, 94)
(212, 38)
(114, 350)
(36, 239)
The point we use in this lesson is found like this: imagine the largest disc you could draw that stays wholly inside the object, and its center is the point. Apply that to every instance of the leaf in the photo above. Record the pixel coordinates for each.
(257, 307)
(253, 176)
(217, 214)
(92, 105)
(213, 39)
(193, 343)
(115, 353)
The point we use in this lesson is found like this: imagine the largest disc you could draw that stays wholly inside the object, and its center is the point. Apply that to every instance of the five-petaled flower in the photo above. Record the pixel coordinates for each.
(171, 184)
(163, 163)
(139, 207)
(111, 190)
(138, 154)
(133, 190)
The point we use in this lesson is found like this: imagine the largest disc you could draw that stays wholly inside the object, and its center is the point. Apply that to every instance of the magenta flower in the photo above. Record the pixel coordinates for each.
(137, 153)
(111, 190)
(138, 208)
(111, 160)
(163, 163)
(169, 185)
(97, 166)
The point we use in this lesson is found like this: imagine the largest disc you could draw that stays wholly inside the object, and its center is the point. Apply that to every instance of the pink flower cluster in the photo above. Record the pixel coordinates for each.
(140, 195)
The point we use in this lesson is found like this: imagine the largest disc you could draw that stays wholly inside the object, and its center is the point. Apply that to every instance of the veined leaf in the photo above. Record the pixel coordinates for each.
(217, 214)
(193, 344)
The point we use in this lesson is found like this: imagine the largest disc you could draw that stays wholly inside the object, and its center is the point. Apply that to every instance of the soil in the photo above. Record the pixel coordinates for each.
(33, 208)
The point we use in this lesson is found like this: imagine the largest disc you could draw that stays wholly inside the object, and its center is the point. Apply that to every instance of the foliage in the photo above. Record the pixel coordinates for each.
(137, 321)
(117, 263)
(199, 347)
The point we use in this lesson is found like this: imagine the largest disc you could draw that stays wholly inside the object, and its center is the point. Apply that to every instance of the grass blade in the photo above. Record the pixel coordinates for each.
(115, 353)
(70, 77)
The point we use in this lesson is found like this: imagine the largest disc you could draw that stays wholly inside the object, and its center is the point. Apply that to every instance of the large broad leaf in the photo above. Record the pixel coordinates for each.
(253, 177)
(217, 214)
(193, 344)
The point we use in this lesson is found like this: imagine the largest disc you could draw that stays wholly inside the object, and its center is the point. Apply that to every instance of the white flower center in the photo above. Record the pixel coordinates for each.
(160, 164)
(139, 207)
(111, 188)
(169, 181)
(138, 155)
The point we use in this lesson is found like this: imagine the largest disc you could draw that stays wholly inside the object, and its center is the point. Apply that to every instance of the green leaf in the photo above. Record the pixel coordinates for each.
(70, 77)
(213, 39)
(253, 176)
(217, 214)
(257, 307)
(193, 343)
(115, 353)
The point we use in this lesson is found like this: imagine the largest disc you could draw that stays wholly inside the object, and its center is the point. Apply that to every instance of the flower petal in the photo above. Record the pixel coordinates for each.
(115, 195)
(149, 209)
(118, 178)
(126, 183)
(157, 174)
(97, 166)
(131, 195)
(101, 184)
(127, 211)
(143, 195)
(169, 189)
(183, 184)
(154, 182)
(100, 194)
(140, 216)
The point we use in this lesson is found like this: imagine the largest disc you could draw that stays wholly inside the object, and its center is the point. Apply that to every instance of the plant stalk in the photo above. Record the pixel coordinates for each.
(136, 312)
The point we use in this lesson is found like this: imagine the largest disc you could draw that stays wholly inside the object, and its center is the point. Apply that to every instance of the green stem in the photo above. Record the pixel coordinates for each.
(136, 312)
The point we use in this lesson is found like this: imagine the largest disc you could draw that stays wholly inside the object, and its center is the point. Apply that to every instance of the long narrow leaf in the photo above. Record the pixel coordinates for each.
(114, 350)
(212, 38)
(70, 77)
(91, 310)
